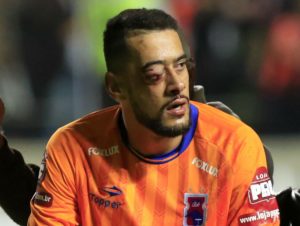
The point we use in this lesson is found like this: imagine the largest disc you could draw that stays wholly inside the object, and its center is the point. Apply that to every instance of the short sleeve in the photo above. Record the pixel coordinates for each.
(253, 201)
(54, 202)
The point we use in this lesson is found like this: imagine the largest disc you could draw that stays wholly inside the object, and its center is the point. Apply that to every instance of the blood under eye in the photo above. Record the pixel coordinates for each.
(152, 77)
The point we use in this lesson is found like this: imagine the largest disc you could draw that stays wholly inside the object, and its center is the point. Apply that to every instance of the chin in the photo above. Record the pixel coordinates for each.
(174, 129)
(177, 122)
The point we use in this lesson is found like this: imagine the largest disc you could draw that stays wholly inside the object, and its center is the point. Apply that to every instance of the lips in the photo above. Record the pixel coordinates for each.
(177, 107)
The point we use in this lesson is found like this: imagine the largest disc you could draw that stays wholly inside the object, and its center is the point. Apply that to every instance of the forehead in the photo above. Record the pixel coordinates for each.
(155, 45)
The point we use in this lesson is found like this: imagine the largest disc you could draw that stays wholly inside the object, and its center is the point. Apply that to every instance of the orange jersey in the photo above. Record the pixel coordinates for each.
(216, 177)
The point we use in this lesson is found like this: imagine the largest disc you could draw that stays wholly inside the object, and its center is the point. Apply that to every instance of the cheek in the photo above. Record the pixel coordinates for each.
(156, 97)
(149, 93)
(148, 98)
(148, 102)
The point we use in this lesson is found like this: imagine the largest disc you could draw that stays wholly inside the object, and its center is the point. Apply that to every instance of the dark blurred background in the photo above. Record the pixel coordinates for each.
(51, 62)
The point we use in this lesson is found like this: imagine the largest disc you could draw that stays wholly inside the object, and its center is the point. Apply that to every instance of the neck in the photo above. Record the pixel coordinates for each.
(149, 144)
(146, 142)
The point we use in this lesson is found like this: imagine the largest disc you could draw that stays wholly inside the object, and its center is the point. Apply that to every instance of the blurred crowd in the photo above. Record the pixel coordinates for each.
(247, 55)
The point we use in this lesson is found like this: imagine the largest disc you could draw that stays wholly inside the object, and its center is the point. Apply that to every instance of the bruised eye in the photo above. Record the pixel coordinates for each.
(154, 73)
(153, 78)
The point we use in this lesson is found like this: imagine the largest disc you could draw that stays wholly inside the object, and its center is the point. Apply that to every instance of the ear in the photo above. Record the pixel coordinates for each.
(113, 86)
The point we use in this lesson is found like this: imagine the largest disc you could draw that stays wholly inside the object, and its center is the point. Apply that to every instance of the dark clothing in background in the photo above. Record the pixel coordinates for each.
(41, 24)
(43, 28)
(220, 52)
(17, 184)
(279, 80)
(289, 207)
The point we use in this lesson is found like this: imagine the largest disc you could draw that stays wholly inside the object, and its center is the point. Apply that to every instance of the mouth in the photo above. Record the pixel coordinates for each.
(177, 107)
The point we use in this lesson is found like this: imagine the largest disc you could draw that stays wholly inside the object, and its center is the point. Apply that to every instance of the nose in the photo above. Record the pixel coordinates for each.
(175, 82)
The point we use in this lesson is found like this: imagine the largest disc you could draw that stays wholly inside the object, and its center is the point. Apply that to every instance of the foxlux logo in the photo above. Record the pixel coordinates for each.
(261, 188)
(113, 150)
(205, 166)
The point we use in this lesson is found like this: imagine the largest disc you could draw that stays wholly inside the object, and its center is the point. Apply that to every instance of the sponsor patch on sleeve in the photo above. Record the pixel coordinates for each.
(43, 199)
(262, 201)
(259, 217)
(261, 189)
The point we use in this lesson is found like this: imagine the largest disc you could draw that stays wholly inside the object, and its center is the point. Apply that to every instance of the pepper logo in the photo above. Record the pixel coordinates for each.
(195, 209)
(112, 191)
(105, 202)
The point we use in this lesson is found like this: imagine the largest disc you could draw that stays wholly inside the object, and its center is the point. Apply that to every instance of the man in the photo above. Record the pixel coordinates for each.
(24, 179)
(157, 158)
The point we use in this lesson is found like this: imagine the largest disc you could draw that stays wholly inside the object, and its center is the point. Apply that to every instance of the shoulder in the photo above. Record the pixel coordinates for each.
(86, 129)
(212, 120)
(227, 133)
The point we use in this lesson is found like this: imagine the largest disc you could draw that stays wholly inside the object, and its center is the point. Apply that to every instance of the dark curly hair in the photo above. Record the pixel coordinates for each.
(124, 24)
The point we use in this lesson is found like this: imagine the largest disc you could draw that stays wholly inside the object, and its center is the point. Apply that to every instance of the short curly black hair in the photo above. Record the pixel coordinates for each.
(119, 27)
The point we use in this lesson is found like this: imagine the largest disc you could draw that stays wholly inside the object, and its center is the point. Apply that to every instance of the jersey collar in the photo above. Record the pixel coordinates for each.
(166, 157)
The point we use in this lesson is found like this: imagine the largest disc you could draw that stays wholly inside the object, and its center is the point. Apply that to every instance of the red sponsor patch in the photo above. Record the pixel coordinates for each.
(262, 201)
(43, 199)
(261, 189)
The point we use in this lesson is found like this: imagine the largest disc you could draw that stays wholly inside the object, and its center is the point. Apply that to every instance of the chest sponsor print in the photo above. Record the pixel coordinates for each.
(206, 167)
(112, 198)
(105, 152)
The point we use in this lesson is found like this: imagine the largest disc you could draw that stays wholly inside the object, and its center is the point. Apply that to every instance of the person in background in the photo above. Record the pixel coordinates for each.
(279, 77)
(43, 30)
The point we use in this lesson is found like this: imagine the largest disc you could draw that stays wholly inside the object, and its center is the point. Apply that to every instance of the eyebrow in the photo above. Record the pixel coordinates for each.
(148, 64)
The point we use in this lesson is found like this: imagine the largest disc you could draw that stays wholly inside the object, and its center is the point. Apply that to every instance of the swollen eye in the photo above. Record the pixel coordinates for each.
(153, 78)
